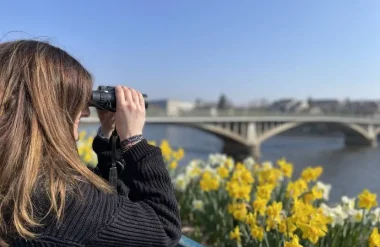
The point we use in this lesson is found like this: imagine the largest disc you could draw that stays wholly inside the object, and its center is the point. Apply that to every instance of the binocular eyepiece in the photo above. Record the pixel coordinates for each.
(105, 99)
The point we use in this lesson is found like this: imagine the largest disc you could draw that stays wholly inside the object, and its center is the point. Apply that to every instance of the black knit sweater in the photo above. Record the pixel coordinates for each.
(143, 213)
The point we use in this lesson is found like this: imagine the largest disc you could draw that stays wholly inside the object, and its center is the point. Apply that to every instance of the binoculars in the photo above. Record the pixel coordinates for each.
(105, 99)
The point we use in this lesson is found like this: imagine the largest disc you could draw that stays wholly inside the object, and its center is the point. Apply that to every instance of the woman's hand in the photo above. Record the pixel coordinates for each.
(107, 122)
(130, 112)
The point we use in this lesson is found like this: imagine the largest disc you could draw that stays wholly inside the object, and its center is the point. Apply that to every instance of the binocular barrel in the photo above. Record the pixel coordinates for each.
(105, 98)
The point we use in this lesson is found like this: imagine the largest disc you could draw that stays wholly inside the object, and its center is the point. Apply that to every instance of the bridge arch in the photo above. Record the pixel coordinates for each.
(224, 133)
(228, 136)
(348, 129)
(234, 144)
(239, 146)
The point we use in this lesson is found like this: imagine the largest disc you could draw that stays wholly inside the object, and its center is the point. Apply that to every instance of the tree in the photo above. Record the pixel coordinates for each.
(309, 101)
(223, 102)
(198, 102)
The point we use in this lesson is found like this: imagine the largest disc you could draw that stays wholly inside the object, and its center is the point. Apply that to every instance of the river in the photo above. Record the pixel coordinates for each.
(348, 170)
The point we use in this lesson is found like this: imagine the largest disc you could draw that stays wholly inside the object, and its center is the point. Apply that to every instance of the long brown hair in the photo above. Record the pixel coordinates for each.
(42, 91)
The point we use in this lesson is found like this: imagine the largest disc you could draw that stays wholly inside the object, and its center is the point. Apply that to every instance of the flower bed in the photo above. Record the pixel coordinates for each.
(228, 203)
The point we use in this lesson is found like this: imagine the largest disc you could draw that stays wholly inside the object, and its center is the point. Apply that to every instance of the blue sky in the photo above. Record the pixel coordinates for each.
(188, 49)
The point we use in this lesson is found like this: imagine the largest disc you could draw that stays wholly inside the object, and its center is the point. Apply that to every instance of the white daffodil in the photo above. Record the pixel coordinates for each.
(326, 188)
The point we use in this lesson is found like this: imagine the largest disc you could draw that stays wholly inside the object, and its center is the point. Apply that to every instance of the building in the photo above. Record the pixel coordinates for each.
(326, 105)
(288, 105)
(171, 107)
(362, 107)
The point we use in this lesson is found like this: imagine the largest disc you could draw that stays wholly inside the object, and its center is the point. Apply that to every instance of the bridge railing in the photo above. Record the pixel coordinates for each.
(245, 112)
(154, 112)
(248, 112)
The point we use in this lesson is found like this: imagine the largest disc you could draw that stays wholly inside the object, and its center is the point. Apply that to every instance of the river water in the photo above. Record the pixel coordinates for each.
(348, 170)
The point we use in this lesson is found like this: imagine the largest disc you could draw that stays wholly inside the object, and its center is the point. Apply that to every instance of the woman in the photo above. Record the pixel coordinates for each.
(47, 196)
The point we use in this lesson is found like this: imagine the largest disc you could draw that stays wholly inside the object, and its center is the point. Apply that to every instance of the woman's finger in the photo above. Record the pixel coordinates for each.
(141, 100)
(120, 97)
(128, 97)
(135, 97)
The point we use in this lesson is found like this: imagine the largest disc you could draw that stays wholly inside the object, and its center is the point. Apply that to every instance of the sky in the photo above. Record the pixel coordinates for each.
(246, 49)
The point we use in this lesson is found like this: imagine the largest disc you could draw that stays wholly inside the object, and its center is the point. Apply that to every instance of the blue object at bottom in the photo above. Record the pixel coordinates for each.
(187, 242)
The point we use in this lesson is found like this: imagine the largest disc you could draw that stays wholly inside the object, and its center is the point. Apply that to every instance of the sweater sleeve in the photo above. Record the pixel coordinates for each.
(152, 219)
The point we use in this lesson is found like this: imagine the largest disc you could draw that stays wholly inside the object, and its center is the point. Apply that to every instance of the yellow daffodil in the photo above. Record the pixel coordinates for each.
(257, 232)
(209, 181)
(260, 205)
(223, 171)
(235, 234)
(293, 243)
(367, 200)
(374, 238)
(311, 174)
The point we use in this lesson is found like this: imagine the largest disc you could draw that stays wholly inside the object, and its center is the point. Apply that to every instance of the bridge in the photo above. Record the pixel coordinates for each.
(244, 135)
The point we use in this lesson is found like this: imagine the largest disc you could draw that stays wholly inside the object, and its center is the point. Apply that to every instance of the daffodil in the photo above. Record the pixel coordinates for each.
(229, 163)
(173, 165)
(223, 171)
(166, 150)
(198, 205)
(325, 188)
(348, 203)
(249, 162)
(265, 191)
(374, 216)
(374, 238)
(193, 170)
(181, 182)
(311, 174)
(286, 167)
(257, 232)
(287, 227)
(293, 243)
(367, 200)
(209, 181)
(251, 218)
(296, 188)
(260, 205)
(235, 234)
(238, 210)
(313, 231)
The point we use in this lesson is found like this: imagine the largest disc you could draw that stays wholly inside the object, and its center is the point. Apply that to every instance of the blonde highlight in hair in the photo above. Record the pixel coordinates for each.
(42, 90)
